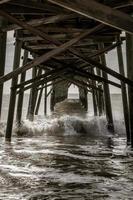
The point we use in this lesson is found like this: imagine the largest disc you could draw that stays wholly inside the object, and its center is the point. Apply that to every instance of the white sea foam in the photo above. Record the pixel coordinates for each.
(69, 125)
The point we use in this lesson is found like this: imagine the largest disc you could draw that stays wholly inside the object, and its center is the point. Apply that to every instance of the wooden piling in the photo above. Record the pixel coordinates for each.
(52, 99)
(94, 95)
(129, 55)
(3, 38)
(45, 100)
(21, 94)
(17, 54)
(39, 101)
(94, 102)
(32, 97)
(99, 95)
(107, 98)
(123, 91)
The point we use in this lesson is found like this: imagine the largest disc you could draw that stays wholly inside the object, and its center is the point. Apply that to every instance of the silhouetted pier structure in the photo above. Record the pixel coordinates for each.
(68, 41)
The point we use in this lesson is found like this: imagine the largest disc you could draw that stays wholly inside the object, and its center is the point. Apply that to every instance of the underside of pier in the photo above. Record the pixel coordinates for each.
(65, 42)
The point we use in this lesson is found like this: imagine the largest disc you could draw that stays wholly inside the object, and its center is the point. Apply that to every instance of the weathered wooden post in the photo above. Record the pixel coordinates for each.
(86, 99)
(129, 54)
(21, 93)
(45, 99)
(123, 91)
(83, 97)
(94, 102)
(39, 101)
(52, 99)
(100, 95)
(17, 54)
(107, 98)
(32, 97)
(3, 37)
(94, 97)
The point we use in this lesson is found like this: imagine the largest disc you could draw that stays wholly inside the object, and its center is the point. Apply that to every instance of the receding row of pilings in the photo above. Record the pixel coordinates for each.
(101, 100)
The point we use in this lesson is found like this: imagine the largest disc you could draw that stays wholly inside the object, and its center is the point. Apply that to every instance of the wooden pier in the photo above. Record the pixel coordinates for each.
(68, 42)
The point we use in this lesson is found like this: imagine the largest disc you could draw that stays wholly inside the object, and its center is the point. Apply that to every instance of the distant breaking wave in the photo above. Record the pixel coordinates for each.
(67, 125)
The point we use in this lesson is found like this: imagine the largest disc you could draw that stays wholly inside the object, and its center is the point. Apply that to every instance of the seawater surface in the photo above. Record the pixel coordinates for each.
(68, 155)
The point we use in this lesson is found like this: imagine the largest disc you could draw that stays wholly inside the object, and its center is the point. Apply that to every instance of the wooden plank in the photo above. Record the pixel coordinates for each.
(100, 12)
(82, 47)
(4, 1)
(41, 21)
(18, 10)
(92, 38)
(35, 5)
(42, 34)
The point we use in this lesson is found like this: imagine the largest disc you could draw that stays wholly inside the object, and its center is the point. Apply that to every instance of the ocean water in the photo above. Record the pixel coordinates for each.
(68, 154)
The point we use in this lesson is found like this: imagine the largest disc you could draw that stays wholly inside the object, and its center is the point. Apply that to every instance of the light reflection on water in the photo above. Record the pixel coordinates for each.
(65, 168)
(61, 166)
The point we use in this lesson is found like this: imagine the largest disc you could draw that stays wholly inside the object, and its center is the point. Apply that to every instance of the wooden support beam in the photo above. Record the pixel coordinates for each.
(94, 102)
(50, 91)
(129, 55)
(44, 80)
(94, 95)
(106, 49)
(101, 66)
(59, 50)
(21, 94)
(88, 85)
(41, 21)
(124, 92)
(92, 38)
(99, 12)
(42, 77)
(39, 100)
(3, 38)
(46, 56)
(107, 98)
(19, 11)
(4, 1)
(83, 91)
(33, 95)
(35, 5)
(12, 102)
(100, 96)
(91, 76)
(45, 100)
